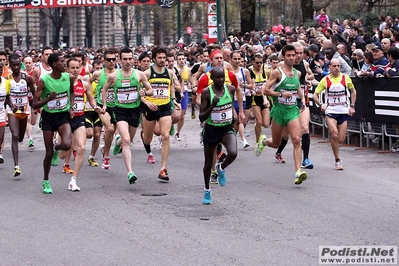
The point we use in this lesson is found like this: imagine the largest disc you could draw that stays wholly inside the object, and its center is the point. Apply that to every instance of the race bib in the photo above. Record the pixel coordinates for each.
(222, 115)
(127, 96)
(60, 102)
(288, 101)
(160, 91)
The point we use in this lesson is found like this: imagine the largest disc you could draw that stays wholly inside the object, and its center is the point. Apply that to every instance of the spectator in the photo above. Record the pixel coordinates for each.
(383, 23)
(386, 34)
(380, 62)
(393, 58)
(358, 59)
(354, 35)
(322, 17)
(344, 68)
(318, 58)
(385, 44)
(368, 61)
(344, 53)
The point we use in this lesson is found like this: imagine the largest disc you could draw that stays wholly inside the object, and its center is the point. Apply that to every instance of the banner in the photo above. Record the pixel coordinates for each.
(377, 100)
(212, 22)
(11, 4)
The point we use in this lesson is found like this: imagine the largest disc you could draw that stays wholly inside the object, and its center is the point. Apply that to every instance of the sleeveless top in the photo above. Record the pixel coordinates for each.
(286, 84)
(4, 91)
(127, 90)
(160, 83)
(61, 87)
(19, 93)
(110, 92)
(79, 99)
(222, 113)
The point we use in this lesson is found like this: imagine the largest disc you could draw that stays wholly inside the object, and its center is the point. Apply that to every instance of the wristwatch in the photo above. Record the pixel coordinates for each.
(353, 106)
(280, 94)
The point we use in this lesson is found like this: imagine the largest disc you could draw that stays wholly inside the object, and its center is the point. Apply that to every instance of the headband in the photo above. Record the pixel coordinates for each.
(217, 51)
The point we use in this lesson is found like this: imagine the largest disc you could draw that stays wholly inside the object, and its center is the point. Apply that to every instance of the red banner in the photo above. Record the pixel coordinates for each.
(11, 4)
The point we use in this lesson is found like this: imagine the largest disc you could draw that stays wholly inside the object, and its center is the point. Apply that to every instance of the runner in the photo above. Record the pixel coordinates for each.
(217, 109)
(4, 98)
(304, 117)
(32, 118)
(187, 81)
(93, 122)
(56, 95)
(260, 102)
(158, 107)
(127, 113)
(338, 108)
(107, 118)
(284, 86)
(21, 86)
(245, 83)
(81, 89)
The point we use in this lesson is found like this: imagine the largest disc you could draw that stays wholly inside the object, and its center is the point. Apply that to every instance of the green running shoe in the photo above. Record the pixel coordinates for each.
(47, 187)
(54, 160)
(117, 147)
(300, 176)
(31, 144)
(259, 146)
(172, 130)
(131, 177)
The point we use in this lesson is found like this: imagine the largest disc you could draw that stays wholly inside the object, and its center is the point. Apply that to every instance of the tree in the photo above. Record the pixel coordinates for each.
(126, 14)
(89, 10)
(57, 17)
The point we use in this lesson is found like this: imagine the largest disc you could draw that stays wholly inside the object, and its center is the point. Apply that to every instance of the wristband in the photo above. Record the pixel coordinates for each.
(353, 106)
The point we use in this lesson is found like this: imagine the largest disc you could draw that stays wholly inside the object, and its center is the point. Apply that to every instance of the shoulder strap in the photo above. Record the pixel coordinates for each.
(329, 83)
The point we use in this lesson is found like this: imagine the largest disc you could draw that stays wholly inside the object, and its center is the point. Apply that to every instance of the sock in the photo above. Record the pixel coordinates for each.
(74, 177)
(15, 167)
(207, 189)
(282, 145)
(220, 167)
(150, 153)
(91, 157)
(147, 148)
(305, 145)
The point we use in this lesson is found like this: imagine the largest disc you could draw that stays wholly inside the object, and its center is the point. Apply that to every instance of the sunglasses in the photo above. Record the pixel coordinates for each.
(110, 59)
(259, 63)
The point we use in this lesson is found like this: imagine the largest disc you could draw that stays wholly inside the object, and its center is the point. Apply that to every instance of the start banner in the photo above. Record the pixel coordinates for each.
(11, 4)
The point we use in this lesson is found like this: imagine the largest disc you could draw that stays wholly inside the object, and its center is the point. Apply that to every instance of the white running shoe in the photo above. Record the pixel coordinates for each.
(72, 185)
(245, 144)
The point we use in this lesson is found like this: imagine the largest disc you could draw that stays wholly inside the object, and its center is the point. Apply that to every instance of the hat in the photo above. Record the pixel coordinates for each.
(313, 48)
(377, 46)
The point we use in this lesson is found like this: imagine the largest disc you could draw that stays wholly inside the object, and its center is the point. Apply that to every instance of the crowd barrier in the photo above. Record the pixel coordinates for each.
(377, 110)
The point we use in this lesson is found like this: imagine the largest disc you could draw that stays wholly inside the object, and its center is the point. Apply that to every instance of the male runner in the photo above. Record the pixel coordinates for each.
(217, 110)
(92, 119)
(338, 108)
(127, 83)
(81, 89)
(284, 86)
(4, 98)
(21, 86)
(304, 117)
(106, 118)
(55, 94)
(158, 106)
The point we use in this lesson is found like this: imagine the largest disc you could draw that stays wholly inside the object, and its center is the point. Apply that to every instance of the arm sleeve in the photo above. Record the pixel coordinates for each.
(322, 86)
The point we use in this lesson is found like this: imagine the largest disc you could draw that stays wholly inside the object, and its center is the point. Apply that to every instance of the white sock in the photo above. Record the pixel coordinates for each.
(207, 189)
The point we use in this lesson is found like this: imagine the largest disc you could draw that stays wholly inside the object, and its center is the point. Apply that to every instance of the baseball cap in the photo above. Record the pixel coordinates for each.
(377, 46)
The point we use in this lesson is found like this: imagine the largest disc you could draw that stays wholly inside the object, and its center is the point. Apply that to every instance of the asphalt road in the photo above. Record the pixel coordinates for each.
(259, 218)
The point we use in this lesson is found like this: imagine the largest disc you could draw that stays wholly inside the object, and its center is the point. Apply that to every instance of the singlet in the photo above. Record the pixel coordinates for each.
(127, 90)
(88, 107)
(61, 87)
(337, 96)
(240, 75)
(43, 72)
(226, 77)
(259, 80)
(5, 87)
(110, 92)
(19, 94)
(222, 113)
(286, 84)
(185, 75)
(160, 83)
(79, 99)
(305, 90)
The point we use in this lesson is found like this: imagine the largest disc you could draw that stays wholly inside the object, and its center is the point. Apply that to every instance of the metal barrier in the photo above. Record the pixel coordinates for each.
(373, 129)
(391, 132)
(318, 120)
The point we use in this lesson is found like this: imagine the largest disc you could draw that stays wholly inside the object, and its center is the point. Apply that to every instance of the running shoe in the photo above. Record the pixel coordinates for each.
(300, 176)
(214, 177)
(245, 144)
(338, 166)
(207, 200)
(66, 169)
(177, 137)
(54, 159)
(150, 159)
(1, 159)
(278, 158)
(105, 164)
(246, 134)
(72, 185)
(74, 154)
(92, 162)
(307, 164)
(222, 177)
(260, 146)
(163, 175)
(17, 171)
(131, 177)
(47, 187)
(117, 147)
(172, 130)
(31, 144)
(193, 115)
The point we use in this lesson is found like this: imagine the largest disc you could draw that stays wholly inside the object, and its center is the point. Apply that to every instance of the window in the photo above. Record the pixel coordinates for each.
(7, 15)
